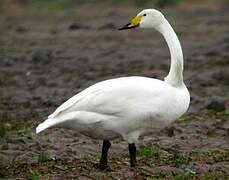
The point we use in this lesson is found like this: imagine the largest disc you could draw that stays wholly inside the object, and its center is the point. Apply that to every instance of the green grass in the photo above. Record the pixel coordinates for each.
(43, 157)
(34, 177)
(148, 156)
(89, 158)
(189, 174)
(205, 115)
(9, 122)
(154, 155)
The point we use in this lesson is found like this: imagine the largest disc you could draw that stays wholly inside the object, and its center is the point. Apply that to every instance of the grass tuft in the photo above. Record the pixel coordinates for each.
(151, 155)
(43, 157)
(34, 177)
(9, 122)
(189, 174)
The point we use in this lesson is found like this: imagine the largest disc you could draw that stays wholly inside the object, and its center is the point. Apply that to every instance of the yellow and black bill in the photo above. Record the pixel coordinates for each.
(133, 24)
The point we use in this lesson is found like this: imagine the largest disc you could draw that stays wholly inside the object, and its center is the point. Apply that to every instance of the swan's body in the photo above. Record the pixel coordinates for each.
(128, 107)
(123, 107)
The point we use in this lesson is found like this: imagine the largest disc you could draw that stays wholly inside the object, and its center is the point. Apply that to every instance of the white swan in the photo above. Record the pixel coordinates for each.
(128, 107)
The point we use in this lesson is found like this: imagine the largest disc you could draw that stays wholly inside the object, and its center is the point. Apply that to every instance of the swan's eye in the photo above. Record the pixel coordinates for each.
(144, 14)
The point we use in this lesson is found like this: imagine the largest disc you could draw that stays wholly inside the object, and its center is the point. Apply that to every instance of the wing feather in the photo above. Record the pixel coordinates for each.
(73, 100)
(112, 97)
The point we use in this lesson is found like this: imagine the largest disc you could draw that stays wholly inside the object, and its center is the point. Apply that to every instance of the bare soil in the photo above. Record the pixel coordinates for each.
(44, 60)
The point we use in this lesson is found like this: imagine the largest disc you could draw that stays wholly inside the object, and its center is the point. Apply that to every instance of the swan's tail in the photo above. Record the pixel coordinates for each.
(56, 121)
(66, 120)
(45, 125)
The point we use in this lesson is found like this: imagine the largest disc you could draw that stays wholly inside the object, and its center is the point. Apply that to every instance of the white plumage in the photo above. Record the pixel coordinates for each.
(125, 107)
(128, 107)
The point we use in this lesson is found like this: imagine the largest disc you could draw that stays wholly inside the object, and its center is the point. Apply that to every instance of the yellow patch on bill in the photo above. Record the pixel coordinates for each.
(135, 22)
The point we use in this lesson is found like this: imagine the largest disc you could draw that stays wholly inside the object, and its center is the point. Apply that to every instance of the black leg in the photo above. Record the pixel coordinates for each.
(103, 161)
(132, 152)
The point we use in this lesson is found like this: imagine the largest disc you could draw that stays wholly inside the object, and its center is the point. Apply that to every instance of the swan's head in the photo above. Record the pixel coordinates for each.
(148, 18)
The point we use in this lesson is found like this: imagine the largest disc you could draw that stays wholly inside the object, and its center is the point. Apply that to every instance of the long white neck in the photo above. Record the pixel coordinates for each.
(175, 76)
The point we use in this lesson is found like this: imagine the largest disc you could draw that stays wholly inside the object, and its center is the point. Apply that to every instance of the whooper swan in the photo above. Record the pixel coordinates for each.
(128, 107)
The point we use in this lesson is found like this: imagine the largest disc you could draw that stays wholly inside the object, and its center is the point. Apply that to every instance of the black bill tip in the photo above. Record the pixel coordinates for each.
(124, 27)
(127, 26)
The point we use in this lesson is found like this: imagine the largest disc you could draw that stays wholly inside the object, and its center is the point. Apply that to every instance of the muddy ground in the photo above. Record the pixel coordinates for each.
(46, 59)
